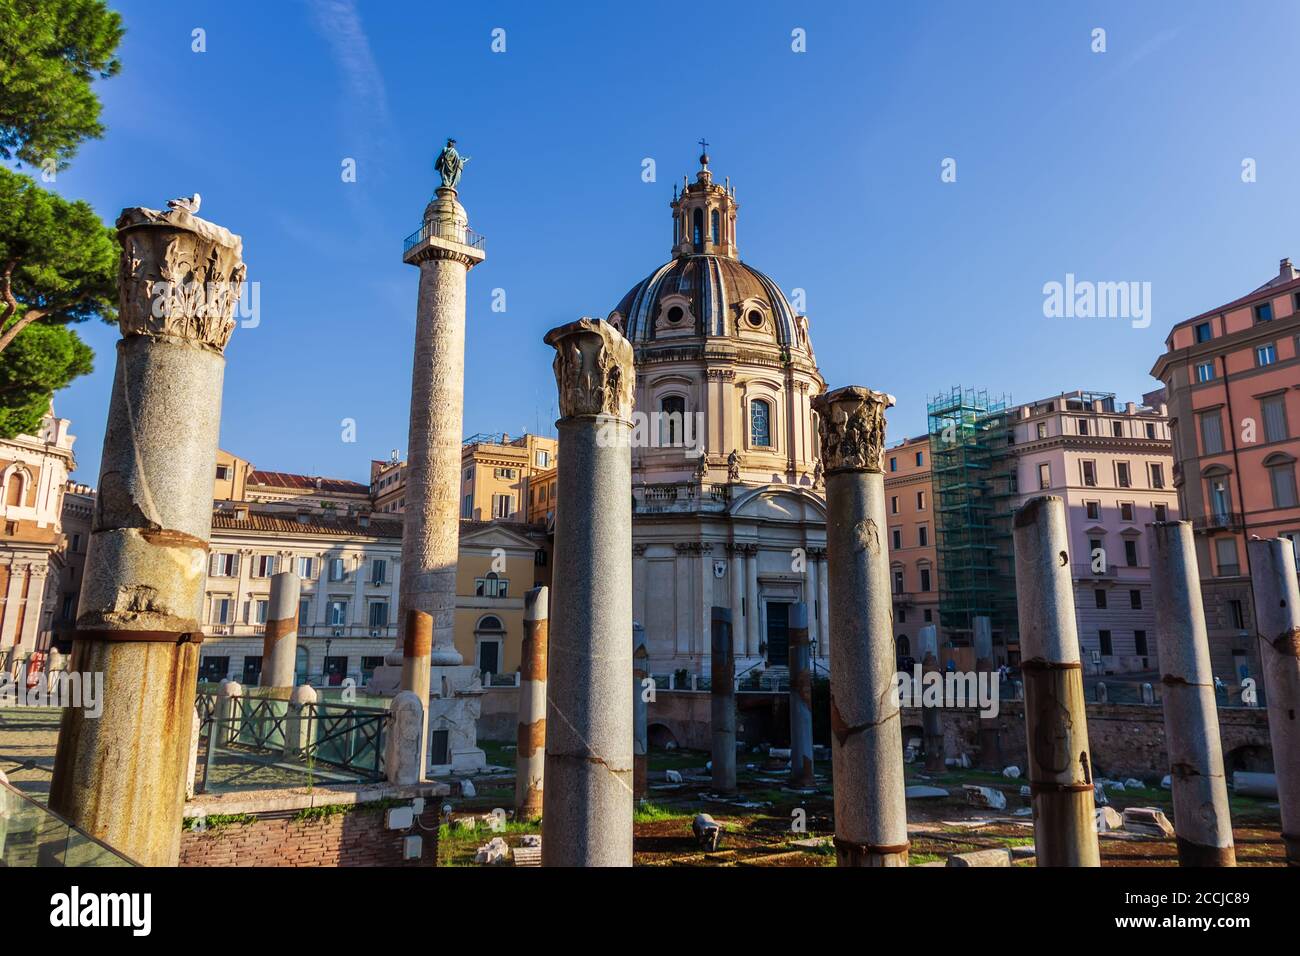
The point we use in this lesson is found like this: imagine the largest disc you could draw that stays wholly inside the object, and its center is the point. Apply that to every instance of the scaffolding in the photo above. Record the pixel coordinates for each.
(974, 479)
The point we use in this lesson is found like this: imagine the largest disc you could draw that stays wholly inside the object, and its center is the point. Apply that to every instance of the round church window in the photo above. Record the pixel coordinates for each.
(675, 314)
(755, 318)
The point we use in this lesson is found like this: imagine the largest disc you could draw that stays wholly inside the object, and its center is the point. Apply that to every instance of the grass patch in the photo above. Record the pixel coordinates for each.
(652, 812)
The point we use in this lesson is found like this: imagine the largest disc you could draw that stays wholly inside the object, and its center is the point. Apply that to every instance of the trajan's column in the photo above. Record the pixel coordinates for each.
(444, 250)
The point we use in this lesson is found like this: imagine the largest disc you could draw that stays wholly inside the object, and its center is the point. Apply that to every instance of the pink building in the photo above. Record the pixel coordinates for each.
(1232, 376)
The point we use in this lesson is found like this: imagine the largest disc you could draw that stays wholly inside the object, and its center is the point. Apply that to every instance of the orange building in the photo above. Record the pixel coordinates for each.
(1232, 375)
(913, 561)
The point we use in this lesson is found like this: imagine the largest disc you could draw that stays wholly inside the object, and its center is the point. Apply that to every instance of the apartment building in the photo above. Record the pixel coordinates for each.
(913, 559)
(1232, 375)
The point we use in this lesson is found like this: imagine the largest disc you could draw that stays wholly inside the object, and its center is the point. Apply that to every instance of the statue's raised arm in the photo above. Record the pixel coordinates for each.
(450, 164)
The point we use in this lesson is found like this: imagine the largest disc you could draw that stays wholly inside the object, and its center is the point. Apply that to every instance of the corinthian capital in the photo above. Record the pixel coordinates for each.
(593, 369)
(180, 276)
(851, 421)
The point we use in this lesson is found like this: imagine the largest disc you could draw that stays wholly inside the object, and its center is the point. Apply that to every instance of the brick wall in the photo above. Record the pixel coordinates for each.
(355, 838)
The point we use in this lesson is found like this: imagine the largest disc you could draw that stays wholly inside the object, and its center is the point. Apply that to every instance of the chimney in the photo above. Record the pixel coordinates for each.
(1286, 271)
(318, 484)
(241, 512)
(363, 519)
(1131, 408)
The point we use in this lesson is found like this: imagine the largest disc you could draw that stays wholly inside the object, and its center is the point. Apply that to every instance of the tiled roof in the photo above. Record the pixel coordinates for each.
(284, 479)
(338, 525)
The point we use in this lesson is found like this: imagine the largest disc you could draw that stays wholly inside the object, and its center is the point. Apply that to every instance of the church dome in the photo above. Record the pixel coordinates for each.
(707, 295)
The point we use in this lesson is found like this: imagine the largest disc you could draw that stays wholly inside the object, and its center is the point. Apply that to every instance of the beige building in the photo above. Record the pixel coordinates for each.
(33, 474)
(727, 509)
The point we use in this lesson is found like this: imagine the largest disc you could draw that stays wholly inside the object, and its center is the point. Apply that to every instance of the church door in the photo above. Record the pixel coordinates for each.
(778, 633)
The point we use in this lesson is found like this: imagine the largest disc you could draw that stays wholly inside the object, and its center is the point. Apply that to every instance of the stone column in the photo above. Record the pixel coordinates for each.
(1200, 791)
(990, 756)
(801, 729)
(810, 597)
(736, 576)
(589, 801)
(298, 726)
(824, 606)
(431, 520)
(404, 758)
(931, 717)
(640, 710)
(122, 777)
(1056, 725)
(866, 733)
(752, 613)
(417, 643)
(1277, 617)
(722, 686)
(230, 710)
(530, 736)
(280, 643)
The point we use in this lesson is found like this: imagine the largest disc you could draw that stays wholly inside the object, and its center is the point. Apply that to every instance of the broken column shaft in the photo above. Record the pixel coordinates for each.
(589, 800)
(530, 736)
(722, 692)
(801, 728)
(990, 757)
(1277, 618)
(417, 648)
(280, 642)
(1200, 790)
(122, 777)
(1056, 725)
(866, 732)
(931, 716)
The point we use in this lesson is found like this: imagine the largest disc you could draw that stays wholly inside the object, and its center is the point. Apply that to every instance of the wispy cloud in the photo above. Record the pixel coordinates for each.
(339, 23)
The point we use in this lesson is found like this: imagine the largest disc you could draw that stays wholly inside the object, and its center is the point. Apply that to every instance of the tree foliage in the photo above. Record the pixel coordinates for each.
(50, 52)
(41, 361)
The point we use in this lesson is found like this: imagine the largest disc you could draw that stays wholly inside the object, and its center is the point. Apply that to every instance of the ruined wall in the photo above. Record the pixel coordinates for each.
(1126, 739)
(355, 838)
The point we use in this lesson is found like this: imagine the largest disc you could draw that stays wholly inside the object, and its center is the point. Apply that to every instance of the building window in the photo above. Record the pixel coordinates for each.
(1117, 429)
(898, 580)
(368, 667)
(503, 506)
(925, 579)
(1220, 497)
(263, 565)
(1273, 410)
(259, 611)
(1104, 638)
(1135, 599)
(304, 606)
(1237, 615)
(467, 507)
(75, 545)
(1211, 432)
(893, 504)
(893, 464)
(1264, 312)
(223, 472)
(1089, 473)
(715, 227)
(1151, 430)
(337, 612)
(1044, 476)
(543, 459)
(1205, 372)
(1265, 355)
(920, 501)
(920, 459)
(338, 569)
(923, 536)
(1140, 643)
(1157, 475)
(378, 613)
(307, 568)
(1131, 553)
(1161, 512)
(1083, 426)
(1122, 474)
(1225, 553)
(760, 423)
(491, 586)
(901, 616)
(1099, 597)
(1093, 510)
(1281, 478)
(1042, 429)
(378, 571)
(1126, 511)
(1203, 333)
(697, 230)
(897, 538)
(672, 412)
(224, 566)
(222, 610)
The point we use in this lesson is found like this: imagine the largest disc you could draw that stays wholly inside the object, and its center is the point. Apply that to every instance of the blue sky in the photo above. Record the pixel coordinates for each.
(1116, 166)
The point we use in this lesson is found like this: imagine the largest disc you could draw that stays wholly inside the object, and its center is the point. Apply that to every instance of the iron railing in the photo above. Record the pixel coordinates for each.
(443, 230)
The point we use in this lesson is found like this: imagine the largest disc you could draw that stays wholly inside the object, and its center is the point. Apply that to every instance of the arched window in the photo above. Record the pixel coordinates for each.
(714, 227)
(489, 641)
(903, 645)
(14, 491)
(672, 414)
(1281, 477)
(1220, 495)
(760, 423)
(697, 229)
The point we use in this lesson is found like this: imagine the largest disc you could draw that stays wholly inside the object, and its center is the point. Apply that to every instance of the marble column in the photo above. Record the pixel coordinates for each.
(640, 710)
(722, 701)
(589, 795)
(530, 735)
(122, 777)
(990, 755)
(417, 675)
(866, 732)
(927, 641)
(824, 608)
(736, 584)
(753, 636)
(1200, 790)
(431, 520)
(801, 720)
(1056, 725)
(1277, 618)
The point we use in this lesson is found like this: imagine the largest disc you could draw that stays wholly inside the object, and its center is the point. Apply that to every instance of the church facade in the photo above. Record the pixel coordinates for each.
(728, 509)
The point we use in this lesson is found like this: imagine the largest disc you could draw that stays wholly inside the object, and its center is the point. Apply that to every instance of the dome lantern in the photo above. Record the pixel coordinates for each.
(704, 215)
